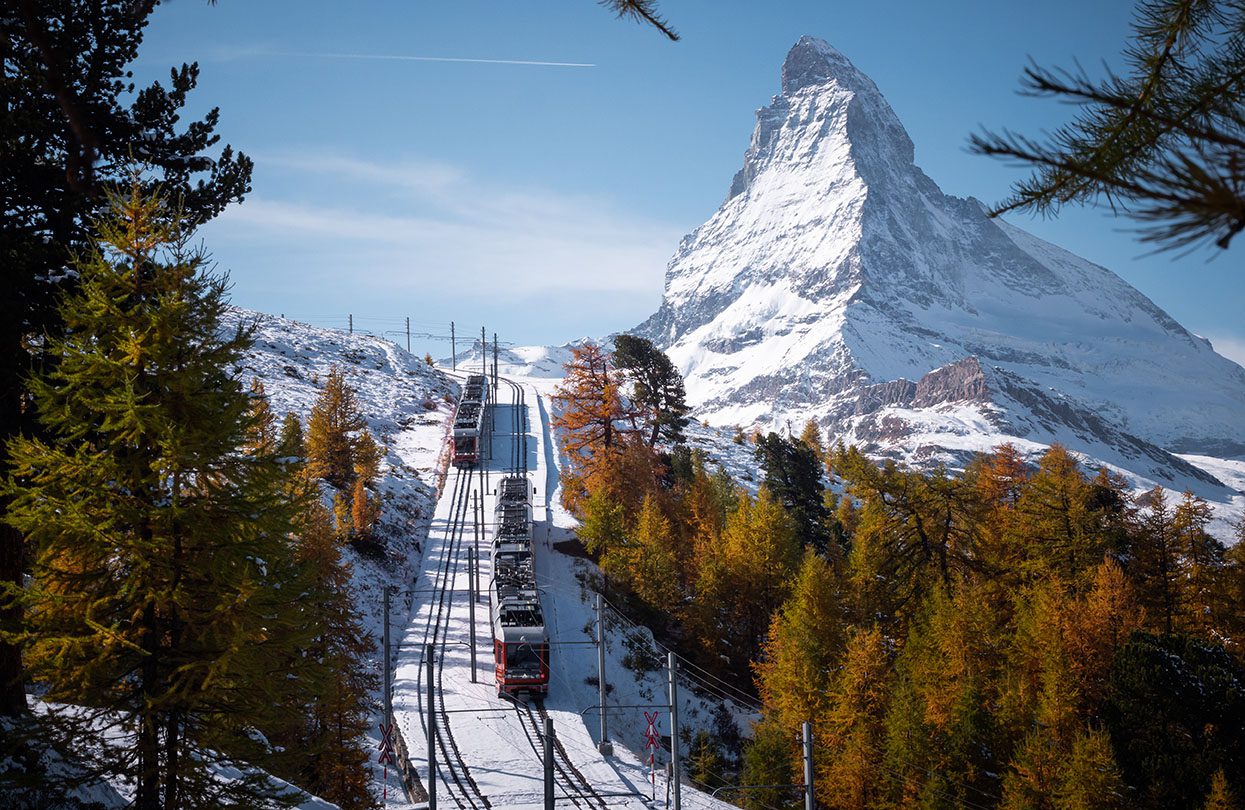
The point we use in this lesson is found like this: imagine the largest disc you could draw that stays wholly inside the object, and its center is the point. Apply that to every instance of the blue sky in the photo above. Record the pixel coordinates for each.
(544, 201)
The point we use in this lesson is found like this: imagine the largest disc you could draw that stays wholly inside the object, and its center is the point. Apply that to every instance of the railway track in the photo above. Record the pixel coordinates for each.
(456, 776)
(568, 780)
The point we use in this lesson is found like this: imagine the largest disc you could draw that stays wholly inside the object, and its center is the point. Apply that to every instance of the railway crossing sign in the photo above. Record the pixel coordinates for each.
(386, 753)
(652, 741)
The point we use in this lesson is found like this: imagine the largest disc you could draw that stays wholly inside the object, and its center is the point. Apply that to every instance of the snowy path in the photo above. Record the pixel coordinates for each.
(495, 738)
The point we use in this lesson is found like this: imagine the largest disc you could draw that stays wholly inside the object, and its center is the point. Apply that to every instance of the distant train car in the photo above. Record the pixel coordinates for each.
(469, 422)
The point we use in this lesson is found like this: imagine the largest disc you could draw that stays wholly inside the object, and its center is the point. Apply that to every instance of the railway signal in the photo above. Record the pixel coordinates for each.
(652, 741)
(386, 754)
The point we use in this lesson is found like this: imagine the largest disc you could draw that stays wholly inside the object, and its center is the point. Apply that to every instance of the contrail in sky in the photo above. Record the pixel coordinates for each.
(400, 58)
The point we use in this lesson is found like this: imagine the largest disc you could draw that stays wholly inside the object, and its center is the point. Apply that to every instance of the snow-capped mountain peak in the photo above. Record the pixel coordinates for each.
(836, 271)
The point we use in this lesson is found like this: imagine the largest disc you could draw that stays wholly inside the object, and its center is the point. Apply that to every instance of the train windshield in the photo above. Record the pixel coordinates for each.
(523, 657)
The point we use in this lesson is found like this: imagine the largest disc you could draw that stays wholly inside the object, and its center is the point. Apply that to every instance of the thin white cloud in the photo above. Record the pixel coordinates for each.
(414, 58)
(426, 225)
(1232, 348)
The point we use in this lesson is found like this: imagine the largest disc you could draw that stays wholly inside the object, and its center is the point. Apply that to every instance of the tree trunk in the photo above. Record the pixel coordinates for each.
(12, 687)
(148, 797)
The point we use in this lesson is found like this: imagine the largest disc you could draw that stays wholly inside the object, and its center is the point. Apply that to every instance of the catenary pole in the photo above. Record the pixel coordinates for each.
(471, 606)
(408, 335)
(604, 746)
(453, 349)
(432, 731)
(475, 515)
(549, 763)
(673, 665)
(809, 802)
(388, 661)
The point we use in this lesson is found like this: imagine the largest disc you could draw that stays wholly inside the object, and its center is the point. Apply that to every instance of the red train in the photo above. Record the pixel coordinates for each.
(520, 642)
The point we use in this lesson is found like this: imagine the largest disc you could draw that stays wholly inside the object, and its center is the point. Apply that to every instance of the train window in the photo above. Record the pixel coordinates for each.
(523, 657)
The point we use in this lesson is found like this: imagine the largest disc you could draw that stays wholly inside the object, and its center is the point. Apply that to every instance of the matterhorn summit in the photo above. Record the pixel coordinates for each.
(838, 282)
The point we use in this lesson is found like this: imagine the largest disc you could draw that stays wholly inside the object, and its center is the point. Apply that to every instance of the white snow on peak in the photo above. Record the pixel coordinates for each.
(836, 266)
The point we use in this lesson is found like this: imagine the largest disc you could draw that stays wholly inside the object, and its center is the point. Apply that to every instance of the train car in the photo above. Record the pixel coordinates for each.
(520, 643)
(512, 489)
(469, 422)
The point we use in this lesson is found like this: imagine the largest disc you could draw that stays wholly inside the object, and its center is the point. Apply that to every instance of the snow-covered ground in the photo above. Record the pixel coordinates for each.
(492, 736)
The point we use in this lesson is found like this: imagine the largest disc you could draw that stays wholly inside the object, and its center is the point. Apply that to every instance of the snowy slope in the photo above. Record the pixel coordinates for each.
(501, 755)
(408, 406)
(837, 281)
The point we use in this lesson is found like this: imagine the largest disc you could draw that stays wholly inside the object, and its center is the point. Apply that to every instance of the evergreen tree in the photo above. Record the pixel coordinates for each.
(1220, 796)
(1163, 142)
(1175, 710)
(793, 474)
(593, 422)
(767, 761)
(365, 508)
(1201, 565)
(290, 442)
(1056, 523)
(332, 761)
(652, 567)
(806, 640)
(810, 437)
(332, 432)
(1157, 565)
(852, 728)
(70, 129)
(1089, 779)
(163, 547)
(656, 387)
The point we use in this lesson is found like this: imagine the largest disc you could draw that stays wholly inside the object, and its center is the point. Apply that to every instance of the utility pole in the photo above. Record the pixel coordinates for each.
(432, 731)
(408, 334)
(475, 514)
(549, 763)
(350, 320)
(483, 353)
(604, 746)
(471, 606)
(809, 802)
(494, 364)
(453, 349)
(388, 661)
(674, 732)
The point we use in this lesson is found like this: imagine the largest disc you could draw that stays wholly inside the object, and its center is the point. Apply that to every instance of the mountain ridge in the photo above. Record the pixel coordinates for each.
(835, 266)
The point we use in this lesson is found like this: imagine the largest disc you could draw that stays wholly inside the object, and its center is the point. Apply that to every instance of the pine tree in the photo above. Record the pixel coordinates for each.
(290, 441)
(332, 432)
(1163, 142)
(806, 640)
(71, 128)
(262, 436)
(656, 387)
(1090, 779)
(810, 437)
(1055, 522)
(793, 474)
(651, 565)
(333, 761)
(852, 728)
(1201, 564)
(1157, 568)
(767, 761)
(1220, 796)
(365, 508)
(162, 546)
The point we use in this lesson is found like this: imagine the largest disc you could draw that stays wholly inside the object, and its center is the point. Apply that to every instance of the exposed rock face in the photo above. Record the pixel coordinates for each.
(838, 282)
